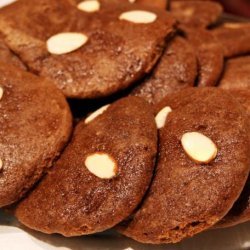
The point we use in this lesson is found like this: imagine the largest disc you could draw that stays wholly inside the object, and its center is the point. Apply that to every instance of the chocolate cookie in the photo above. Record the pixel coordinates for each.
(176, 70)
(236, 74)
(234, 37)
(35, 125)
(209, 54)
(87, 55)
(202, 167)
(102, 175)
(241, 210)
(6, 56)
(196, 14)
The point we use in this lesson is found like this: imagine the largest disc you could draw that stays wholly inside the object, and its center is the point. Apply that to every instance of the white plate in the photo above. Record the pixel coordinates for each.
(15, 237)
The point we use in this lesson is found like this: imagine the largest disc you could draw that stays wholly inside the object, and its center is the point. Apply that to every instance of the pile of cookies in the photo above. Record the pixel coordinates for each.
(131, 115)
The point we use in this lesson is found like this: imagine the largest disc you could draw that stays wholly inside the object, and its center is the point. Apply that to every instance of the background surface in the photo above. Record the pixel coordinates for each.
(237, 7)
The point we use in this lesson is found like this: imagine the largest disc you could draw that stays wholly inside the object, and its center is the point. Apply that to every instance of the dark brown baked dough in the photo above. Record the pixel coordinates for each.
(186, 197)
(234, 37)
(116, 55)
(241, 210)
(156, 3)
(209, 54)
(236, 74)
(72, 201)
(35, 125)
(242, 96)
(6, 56)
(196, 14)
(177, 69)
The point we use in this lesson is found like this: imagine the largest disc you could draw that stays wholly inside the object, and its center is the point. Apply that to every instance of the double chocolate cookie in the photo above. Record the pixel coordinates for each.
(177, 69)
(102, 175)
(35, 126)
(202, 167)
(87, 55)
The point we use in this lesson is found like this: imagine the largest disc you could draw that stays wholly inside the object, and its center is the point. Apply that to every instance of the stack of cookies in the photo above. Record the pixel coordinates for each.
(131, 115)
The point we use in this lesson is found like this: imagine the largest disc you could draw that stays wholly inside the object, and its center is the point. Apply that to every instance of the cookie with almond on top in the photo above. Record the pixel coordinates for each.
(87, 54)
(35, 123)
(102, 175)
(201, 170)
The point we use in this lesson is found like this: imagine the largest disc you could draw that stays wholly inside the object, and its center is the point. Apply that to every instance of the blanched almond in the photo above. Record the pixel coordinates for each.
(89, 6)
(98, 112)
(138, 16)
(1, 92)
(101, 165)
(67, 42)
(199, 147)
(161, 117)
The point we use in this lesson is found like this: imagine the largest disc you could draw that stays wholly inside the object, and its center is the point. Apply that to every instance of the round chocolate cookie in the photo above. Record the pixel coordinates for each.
(35, 126)
(87, 55)
(241, 210)
(102, 175)
(209, 54)
(202, 167)
(196, 14)
(236, 74)
(6, 56)
(234, 38)
(177, 69)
